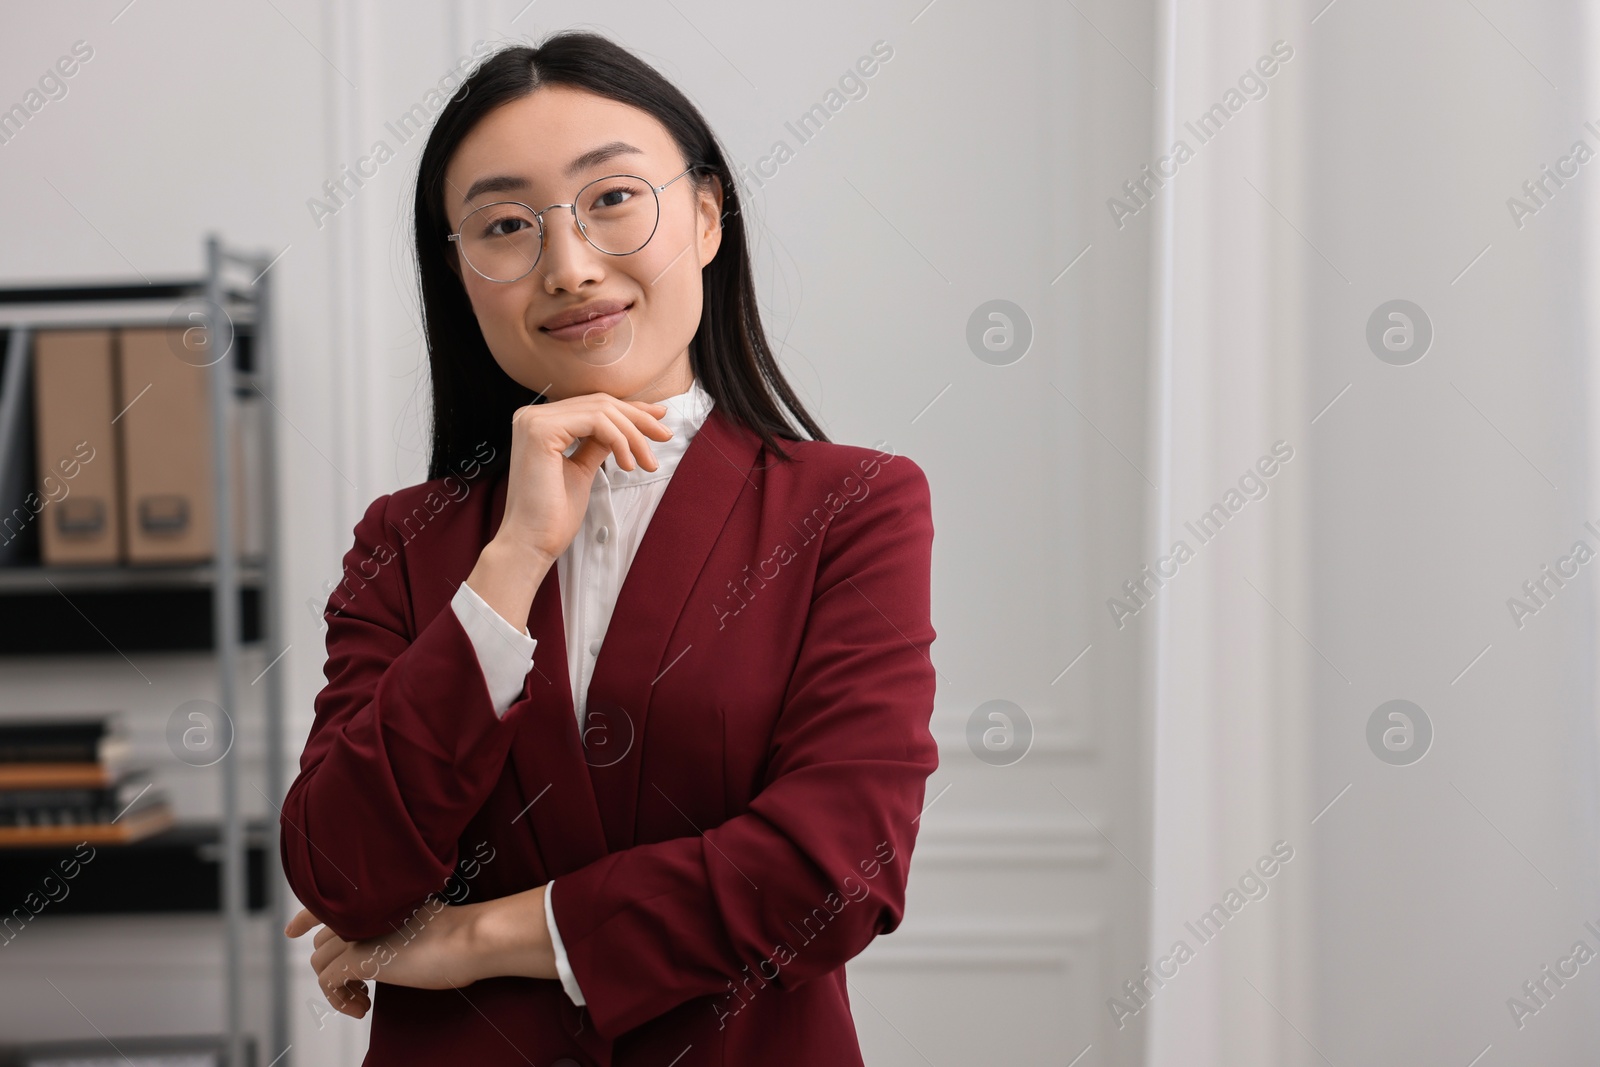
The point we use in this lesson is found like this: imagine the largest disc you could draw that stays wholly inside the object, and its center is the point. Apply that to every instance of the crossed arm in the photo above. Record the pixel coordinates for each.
(452, 946)
(445, 946)
(405, 749)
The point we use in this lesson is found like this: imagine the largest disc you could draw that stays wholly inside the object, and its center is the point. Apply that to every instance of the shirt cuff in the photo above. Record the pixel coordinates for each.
(505, 654)
(569, 981)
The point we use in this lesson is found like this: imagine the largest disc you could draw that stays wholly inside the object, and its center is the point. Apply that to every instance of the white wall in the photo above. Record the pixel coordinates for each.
(1421, 897)
(978, 167)
(1440, 488)
(970, 171)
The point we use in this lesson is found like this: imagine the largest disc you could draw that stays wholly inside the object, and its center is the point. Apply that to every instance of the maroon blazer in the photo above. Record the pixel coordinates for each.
(737, 821)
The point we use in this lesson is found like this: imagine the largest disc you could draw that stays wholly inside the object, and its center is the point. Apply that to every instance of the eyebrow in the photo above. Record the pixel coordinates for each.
(502, 183)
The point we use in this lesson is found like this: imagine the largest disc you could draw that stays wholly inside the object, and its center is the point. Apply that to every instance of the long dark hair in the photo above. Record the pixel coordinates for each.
(473, 398)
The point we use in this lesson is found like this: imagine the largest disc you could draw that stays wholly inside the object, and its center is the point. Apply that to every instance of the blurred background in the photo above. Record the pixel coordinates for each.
(1258, 335)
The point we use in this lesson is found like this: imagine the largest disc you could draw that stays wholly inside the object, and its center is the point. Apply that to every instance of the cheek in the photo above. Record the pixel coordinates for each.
(672, 258)
(499, 310)
(674, 308)
(486, 298)
(671, 281)
(501, 314)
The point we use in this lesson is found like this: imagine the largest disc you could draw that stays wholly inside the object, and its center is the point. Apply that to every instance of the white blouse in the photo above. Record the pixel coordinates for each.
(590, 571)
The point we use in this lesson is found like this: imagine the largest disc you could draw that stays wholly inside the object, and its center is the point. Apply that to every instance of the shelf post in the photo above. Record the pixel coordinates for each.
(225, 634)
(274, 636)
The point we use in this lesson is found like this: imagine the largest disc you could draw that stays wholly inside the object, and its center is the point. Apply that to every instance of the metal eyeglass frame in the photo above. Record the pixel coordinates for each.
(573, 207)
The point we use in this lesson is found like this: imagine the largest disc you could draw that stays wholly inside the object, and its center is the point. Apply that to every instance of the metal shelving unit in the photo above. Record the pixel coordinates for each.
(232, 302)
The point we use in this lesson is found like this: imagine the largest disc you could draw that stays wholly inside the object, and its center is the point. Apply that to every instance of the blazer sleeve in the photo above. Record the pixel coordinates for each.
(405, 747)
(799, 883)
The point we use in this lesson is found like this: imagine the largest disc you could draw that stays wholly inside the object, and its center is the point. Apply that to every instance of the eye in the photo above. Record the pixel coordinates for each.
(613, 197)
(505, 225)
(614, 194)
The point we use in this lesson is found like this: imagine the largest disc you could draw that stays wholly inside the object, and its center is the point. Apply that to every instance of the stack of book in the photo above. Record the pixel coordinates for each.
(64, 781)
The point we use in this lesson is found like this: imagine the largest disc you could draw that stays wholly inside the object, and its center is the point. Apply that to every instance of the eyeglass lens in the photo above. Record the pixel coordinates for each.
(617, 214)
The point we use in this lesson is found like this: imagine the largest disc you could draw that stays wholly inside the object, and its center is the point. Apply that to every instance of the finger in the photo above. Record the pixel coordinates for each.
(639, 451)
(637, 421)
(587, 423)
(348, 998)
(644, 413)
(323, 935)
(354, 1000)
(648, 421)
(340, 983)
(358, 1001)
(302, 922)
(601, 425)
(602, 418)
(323, 956)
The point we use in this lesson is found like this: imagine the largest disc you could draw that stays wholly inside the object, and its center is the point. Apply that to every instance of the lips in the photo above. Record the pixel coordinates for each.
(578, 321)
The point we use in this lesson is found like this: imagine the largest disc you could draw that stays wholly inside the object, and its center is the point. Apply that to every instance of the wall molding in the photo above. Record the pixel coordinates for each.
(1038, 943)
(968, 843)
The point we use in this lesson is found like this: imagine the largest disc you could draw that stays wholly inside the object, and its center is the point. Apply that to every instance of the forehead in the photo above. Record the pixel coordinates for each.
(537, 137)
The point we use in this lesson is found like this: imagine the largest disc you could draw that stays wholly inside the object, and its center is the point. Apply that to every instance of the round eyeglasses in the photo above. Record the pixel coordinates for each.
(616, 214)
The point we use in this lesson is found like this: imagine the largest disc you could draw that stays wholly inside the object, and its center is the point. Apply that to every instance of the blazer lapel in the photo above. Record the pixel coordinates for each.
(547, 755)
(635, 651)
(583, 792)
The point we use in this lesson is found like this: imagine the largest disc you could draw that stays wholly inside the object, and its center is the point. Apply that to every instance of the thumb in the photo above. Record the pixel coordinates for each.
(302, 922)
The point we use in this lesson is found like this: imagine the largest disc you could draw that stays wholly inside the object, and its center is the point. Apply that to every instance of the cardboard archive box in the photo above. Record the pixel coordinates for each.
(167, 499)
(75, 446)
(124, 451)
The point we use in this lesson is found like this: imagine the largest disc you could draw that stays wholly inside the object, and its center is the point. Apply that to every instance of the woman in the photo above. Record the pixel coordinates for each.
(675, 866)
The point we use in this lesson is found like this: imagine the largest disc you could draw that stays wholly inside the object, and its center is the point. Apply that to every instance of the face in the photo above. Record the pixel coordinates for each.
(534, 148)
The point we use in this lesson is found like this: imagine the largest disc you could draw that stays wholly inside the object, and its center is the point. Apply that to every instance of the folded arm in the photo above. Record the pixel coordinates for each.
(802, 881)
(406, 746)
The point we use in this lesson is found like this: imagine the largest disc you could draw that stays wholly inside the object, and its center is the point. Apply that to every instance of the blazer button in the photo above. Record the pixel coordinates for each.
(604, 535)
(594, 647)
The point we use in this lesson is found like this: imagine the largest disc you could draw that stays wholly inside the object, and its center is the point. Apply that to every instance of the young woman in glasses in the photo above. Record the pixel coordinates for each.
(625, 731)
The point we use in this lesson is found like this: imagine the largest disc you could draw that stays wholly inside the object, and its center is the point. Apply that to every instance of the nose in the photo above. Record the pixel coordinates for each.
(567, 259)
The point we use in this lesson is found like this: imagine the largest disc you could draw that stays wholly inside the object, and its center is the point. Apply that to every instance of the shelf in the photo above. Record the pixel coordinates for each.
(191, 1050)
(49, 610)
(38, 579)
(115, 304)
(78, 291)
(123, 609)
(176, 870)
